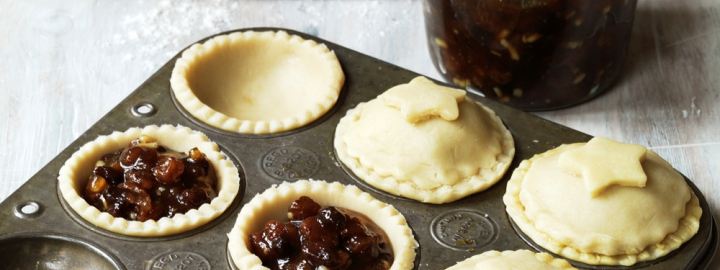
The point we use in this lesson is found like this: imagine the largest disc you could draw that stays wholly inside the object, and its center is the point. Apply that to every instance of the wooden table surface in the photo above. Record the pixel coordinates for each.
(63, 65)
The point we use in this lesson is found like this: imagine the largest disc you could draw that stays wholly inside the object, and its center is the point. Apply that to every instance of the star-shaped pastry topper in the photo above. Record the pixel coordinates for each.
(421, 99)
(603, 162)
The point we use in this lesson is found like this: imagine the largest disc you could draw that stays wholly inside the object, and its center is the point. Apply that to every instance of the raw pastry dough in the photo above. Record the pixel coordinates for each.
(421, 100)
(273, 203)
(257, 82)
(603, 163)
(512, 260)
(621, 225)
(425, 142)
(76, 170)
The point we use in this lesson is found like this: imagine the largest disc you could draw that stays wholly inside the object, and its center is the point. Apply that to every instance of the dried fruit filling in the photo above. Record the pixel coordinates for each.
(322, 238)
(146, 181)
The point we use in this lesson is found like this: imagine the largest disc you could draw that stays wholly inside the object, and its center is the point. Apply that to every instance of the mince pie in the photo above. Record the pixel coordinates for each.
(312, 224)
(426, 142)
(603, 203)
(150, 181)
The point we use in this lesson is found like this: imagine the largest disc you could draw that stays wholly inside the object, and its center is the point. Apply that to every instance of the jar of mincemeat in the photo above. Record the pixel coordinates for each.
(530, 54)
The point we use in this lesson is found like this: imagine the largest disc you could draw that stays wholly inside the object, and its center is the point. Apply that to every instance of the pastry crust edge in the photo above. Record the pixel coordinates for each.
(542, 257)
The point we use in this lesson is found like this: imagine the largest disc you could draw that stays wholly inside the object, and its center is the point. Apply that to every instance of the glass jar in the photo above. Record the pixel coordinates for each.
(530, 54)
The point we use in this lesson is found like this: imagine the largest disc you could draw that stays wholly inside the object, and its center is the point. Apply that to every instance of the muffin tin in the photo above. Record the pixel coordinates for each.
(38, 230)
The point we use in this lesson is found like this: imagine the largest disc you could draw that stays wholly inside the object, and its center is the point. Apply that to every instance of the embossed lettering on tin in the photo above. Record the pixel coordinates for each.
(463, 229)
(179, 260)
(290, 163)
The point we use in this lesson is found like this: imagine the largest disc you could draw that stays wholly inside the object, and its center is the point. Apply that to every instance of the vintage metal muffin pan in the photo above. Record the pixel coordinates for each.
(38, 231)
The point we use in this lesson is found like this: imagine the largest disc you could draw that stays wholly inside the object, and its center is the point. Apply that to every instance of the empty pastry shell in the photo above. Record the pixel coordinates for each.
(257, 82)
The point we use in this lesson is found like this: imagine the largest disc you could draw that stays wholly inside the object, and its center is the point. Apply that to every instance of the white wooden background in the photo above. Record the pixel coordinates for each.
(64, 64)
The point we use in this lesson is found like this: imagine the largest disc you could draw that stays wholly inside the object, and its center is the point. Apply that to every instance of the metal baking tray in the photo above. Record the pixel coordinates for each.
(37, 229)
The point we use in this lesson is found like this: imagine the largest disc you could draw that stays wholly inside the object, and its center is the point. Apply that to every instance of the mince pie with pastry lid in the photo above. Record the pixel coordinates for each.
(426, 142)
(603, 203)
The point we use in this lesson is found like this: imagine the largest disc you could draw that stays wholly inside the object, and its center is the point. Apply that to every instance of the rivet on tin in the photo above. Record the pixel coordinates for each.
(143, 109)
(28, 209)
